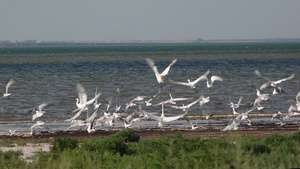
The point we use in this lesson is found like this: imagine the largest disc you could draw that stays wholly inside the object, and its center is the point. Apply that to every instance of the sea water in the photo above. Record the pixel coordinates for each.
(50, 74)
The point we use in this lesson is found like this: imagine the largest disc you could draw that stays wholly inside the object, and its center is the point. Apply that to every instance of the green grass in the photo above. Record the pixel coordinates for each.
(7, 143)
(125, 150)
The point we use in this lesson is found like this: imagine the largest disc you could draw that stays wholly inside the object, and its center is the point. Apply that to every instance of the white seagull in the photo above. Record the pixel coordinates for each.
(184, 107)
(159, 76)
(161, 119)
(82, 103)
(6, 94)
(96, 104)
(210, 83)
(190, 83)
(280, 117)
(292, 112)
(38, 124)
(11, 132)
(298, 101)
(235, 105)
(233, 126)
(277, 90)
(39, 112)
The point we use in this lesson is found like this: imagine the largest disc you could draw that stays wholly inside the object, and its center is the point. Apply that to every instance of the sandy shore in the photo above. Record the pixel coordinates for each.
(35, 142)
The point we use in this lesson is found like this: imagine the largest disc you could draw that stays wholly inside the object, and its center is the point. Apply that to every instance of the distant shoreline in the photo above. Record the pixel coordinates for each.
(53, 44)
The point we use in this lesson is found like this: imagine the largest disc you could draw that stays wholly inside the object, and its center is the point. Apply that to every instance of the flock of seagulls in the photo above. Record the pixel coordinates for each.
(106, 114)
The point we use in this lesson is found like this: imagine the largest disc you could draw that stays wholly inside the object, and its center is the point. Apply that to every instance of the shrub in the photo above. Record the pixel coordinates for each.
(129, 135)
(11, 159)
(61, 144)
(256, 148)
(275, 139)
(296, 136)
(7, 143)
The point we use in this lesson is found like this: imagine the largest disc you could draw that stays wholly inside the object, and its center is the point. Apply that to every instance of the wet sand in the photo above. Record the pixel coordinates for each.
(259, 130)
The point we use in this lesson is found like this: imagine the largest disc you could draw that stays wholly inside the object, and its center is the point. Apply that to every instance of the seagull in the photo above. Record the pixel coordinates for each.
(190, 83)
(244, 116)
(82, 103)
(11, 132)
(118, 107)
(148, 102)
(159, 76)
(128, 123)
(39, 112)
(90, 122)
(213, 78)
(76, 115)
(292, 112)
(77, 123)
(96, 104)
(161, 119)
(193, 126)
(277, 90)
(38, 124)
(132, 102)
(280, 117)
(184, 107)
(233, 126)
(256, 104)
(297, 101)
(263, 96)
(172, 100)
(6, 94)
(235, 105)
(203, 100)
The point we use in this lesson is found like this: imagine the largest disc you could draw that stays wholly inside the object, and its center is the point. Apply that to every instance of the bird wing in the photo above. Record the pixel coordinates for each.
(264, 86)
(203, 77)
(285, 79)
(173, 118)
(151, 116)
(216, 78)
(181, 83)
(92, 117)
(154, 68)
(194, 102)
(259, 75)
(240, 100)
(81, 94)
(152, 65)
(11, 81)
(169, 119)
(41, 106)
(292, 109)
(166, 71)
(297, 97)
(76, 115)
(92, 100)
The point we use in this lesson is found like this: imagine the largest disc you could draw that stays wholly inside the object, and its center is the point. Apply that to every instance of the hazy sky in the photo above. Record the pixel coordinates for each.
(110, 20)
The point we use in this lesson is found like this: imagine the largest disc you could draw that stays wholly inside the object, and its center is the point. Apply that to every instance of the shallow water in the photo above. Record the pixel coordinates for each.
(50, 74)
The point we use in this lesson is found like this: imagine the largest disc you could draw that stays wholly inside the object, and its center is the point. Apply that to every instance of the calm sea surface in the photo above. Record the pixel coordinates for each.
(50, 74)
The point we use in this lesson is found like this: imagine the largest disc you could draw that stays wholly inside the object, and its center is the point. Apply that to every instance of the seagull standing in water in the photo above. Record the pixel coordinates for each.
(6, 94)
(160, 76)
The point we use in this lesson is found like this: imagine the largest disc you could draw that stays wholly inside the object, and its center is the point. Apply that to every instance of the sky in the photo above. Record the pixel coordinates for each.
(123, 20)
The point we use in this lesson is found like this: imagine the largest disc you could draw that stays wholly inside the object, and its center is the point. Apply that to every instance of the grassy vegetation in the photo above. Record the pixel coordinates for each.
(125, 150)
